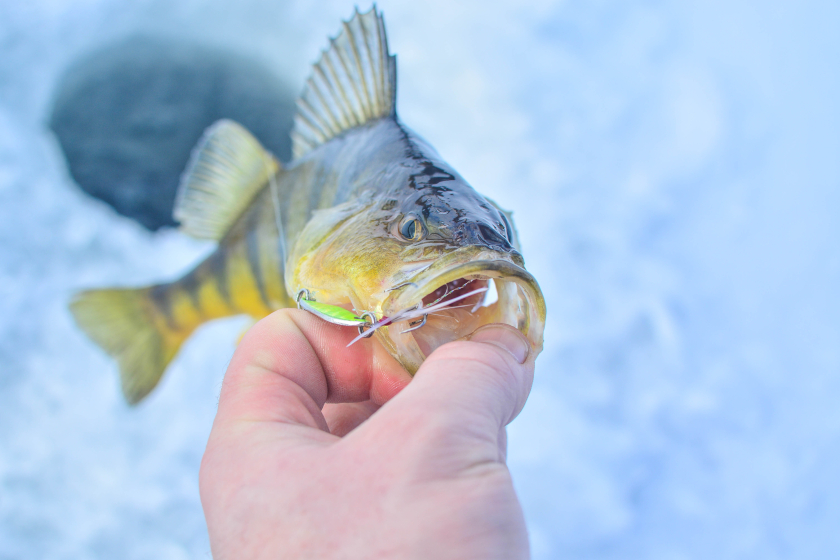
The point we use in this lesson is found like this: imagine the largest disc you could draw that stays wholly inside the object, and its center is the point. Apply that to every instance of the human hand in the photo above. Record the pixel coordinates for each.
(303, 463)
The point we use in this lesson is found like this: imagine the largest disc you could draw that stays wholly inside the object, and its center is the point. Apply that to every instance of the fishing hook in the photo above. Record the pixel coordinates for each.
(302, 293)
(416, 325)
(398, 286)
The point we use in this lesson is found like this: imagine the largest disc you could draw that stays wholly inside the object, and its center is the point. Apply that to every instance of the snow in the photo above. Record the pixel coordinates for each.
(673, 168)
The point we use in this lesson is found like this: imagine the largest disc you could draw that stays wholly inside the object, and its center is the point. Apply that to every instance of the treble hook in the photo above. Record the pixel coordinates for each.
(303, 293)
(398, 286)
(416, 325)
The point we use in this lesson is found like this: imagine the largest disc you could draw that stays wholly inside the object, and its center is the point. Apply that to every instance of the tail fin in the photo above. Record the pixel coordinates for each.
(123, 322)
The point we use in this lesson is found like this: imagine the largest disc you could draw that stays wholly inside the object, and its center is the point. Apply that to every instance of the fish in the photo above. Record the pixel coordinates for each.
(366, 218)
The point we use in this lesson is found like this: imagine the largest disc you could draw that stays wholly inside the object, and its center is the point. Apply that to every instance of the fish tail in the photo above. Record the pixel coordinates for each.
(127, 325)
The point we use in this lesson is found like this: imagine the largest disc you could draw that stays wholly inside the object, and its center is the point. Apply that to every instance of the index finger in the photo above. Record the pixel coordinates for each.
(291, 363)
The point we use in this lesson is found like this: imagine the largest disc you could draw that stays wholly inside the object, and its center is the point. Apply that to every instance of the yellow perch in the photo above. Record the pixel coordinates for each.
(366, 217)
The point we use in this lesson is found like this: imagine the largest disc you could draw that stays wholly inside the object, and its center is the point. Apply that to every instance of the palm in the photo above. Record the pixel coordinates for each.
(303, 462)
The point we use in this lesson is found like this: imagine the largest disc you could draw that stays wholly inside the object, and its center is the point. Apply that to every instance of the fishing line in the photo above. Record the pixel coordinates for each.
(275, 199)
(414, 313)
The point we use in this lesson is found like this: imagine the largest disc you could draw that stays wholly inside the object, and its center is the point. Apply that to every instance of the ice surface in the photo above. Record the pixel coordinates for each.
(675, 177)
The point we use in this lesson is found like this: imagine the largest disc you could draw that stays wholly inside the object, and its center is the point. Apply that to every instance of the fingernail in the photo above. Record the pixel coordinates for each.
(506, 338)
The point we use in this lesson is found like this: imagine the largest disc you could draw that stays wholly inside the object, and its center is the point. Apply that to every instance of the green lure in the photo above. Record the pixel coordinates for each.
(330, 313)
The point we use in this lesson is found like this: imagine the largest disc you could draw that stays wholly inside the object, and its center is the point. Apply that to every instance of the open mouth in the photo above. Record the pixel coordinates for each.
(459, 307)
(460, 300)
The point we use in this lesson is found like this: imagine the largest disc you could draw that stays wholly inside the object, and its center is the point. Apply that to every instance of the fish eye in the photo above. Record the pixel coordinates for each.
(411, 229)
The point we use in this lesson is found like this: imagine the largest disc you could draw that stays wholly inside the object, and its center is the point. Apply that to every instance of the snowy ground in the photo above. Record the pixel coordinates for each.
(674, 169)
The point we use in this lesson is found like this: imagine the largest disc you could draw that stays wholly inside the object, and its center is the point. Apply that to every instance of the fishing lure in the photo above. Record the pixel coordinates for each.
(366, 321)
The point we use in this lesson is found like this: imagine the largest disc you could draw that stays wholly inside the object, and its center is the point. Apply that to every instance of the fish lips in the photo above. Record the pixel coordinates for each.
(518, 290)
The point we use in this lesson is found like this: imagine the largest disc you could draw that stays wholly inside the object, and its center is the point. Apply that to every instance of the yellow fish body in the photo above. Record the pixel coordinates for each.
(367, 217)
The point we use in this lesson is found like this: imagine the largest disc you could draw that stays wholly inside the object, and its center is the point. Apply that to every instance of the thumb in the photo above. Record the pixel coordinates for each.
(465, 390)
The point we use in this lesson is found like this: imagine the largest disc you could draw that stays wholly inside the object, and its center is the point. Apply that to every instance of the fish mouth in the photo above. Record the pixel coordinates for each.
(500, 292)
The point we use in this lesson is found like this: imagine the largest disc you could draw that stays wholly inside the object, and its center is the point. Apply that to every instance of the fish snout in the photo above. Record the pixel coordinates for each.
(485, 235)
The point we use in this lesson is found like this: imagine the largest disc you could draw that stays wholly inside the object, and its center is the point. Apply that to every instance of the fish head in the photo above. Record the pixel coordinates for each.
(429, 240)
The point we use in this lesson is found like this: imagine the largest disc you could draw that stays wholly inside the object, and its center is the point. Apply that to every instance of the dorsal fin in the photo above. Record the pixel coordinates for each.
(354, 82)
(227, 168)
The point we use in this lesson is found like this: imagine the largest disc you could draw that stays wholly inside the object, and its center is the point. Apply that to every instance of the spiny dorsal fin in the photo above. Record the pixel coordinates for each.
(354, 82)
(226, 169)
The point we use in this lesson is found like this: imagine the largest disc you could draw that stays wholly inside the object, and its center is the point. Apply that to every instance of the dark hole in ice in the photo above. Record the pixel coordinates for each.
(128, 116)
